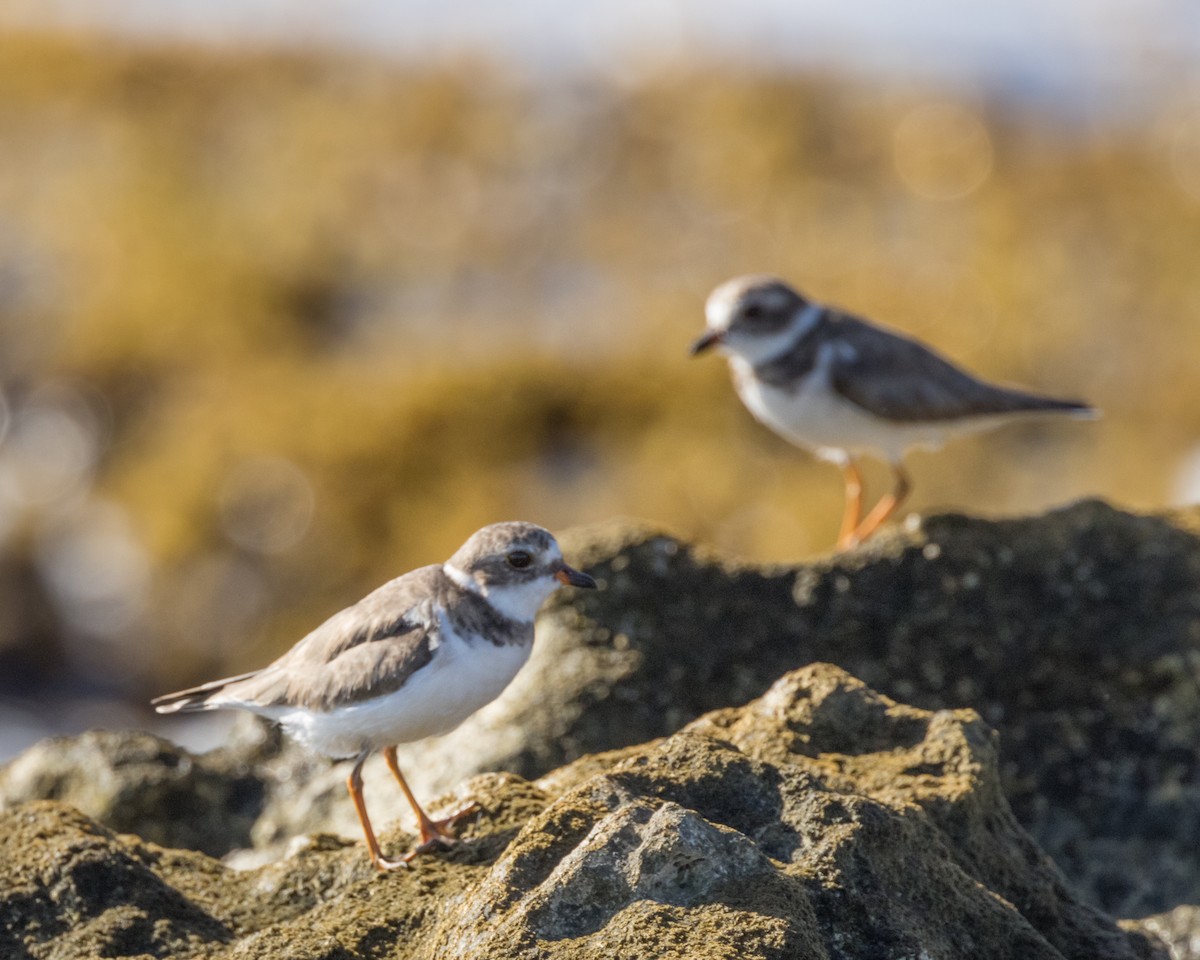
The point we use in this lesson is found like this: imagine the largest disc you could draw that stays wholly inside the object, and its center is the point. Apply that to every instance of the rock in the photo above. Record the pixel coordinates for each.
(137, 783)
(1076, 634)
(1179, 929)
(820, 821)
(73, 889)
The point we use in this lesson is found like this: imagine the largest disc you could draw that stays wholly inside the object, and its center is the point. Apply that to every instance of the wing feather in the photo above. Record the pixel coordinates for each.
(903, 381)
(370, 648)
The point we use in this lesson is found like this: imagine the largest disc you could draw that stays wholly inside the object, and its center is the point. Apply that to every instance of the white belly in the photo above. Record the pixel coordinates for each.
(820, 419)
(461, 678)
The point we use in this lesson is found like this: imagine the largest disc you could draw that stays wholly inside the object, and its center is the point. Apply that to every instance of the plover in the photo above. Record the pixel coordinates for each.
(843, 387)
(413, 659)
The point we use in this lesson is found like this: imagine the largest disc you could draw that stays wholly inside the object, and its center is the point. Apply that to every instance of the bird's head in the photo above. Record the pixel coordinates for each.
(753, 317)
(515, 566)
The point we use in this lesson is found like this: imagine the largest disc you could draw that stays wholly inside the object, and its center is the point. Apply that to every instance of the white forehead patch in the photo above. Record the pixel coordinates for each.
(718, 309)
(723, 303)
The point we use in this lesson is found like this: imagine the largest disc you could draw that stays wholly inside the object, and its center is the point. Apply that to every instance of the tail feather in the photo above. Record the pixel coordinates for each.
(195, 699)
(1075, 407)
(1025, 402)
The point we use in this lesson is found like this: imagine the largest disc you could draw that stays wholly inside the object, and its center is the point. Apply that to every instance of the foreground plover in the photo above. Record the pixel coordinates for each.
(412, 660)
(842, 387)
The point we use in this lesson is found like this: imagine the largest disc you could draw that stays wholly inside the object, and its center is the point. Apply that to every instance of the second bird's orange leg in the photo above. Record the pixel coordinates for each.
(852, 515)
(887, 506)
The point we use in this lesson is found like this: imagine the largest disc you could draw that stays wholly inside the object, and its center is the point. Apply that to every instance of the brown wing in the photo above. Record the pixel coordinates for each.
(901, 380)
(370, 648)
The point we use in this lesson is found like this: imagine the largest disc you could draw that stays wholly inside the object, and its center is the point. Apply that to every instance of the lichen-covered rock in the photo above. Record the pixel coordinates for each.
(820, 821)
(1075, 634)
(70, 888)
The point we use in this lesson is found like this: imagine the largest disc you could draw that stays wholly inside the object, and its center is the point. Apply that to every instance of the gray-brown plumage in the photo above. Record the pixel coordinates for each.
(366, 650)
(412, 659)
(843, 387)
(896, 378)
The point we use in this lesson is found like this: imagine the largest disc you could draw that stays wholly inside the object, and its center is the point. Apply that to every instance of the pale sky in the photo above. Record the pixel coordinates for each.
(1055, 48)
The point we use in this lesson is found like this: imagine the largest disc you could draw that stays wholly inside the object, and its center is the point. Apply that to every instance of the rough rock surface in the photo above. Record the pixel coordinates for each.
(1179, 929)
(1076, 634)
(133, 782)
(820, 821)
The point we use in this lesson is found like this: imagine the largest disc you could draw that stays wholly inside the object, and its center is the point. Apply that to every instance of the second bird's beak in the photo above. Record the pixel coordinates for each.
(574, 578)
(710, 339)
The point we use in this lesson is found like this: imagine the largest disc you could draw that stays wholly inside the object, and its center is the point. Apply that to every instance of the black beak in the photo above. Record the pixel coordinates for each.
(574, 578)
(710, 339)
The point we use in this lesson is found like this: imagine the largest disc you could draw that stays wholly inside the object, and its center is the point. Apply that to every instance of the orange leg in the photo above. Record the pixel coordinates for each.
(354, 784)
(885, 507)
(433, 832)
(853, 513)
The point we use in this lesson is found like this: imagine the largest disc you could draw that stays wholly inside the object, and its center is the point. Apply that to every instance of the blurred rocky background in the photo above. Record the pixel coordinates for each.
(289, 305)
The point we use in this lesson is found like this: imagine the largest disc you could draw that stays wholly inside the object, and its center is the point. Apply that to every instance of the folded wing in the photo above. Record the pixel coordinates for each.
(903, 381)
(370, 648)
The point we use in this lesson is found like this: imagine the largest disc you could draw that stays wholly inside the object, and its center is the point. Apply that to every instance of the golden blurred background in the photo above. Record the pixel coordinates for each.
(279, 323)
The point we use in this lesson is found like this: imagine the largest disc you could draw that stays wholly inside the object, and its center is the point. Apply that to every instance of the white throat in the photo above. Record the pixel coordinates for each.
(520, 601)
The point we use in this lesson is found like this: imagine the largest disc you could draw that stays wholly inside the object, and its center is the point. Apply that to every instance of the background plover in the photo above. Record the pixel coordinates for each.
(413, 659)
(842, 387)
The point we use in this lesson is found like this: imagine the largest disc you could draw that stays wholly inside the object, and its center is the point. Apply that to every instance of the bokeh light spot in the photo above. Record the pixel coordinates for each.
(942, 151)
(1185, 485)
(266, 504)
(51, 447)
(97, 572)
(217, 603)
(1185, 155)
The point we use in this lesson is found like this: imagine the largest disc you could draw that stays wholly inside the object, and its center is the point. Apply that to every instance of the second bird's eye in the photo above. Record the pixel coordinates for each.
(753, 312)
(519, 559)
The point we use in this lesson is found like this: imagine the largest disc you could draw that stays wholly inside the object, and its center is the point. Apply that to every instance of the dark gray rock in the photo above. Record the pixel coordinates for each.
(1076, 634)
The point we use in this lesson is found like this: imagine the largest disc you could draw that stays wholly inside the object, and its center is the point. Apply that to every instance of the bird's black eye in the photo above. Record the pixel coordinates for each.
(519, 559)
(753, 311)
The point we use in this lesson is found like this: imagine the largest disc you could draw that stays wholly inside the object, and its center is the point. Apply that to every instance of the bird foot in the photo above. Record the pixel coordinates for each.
(438, 834)
(467, 810)
(435, 835)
